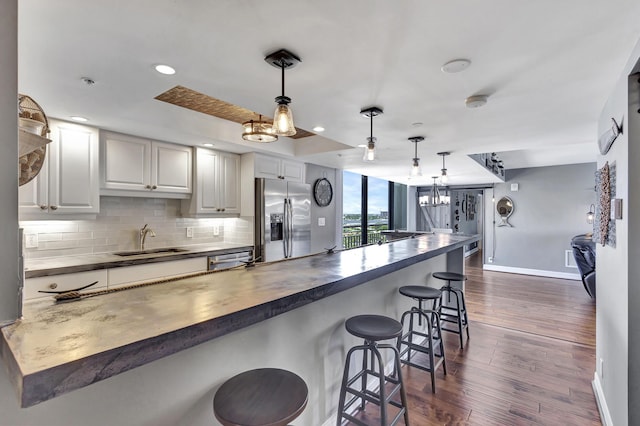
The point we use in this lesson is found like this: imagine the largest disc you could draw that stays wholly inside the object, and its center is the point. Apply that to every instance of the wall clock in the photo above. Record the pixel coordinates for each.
(323, 192)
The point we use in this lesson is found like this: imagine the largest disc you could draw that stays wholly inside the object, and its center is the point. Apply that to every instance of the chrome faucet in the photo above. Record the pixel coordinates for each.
(143, 234)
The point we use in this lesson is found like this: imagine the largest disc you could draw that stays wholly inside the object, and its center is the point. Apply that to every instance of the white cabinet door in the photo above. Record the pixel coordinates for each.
(292, 171)
(267, 167)
(68, 180)
(126, 163)
(33, 197)
(73, 170)
(229, 182)
(170, 168)
(217, 184)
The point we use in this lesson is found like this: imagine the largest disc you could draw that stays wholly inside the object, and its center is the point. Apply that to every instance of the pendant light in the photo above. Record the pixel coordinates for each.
(435, 193)
(283, 117)
(444, 178)
(590, 214)
(370, 149)
(415, 168)
(258, 131)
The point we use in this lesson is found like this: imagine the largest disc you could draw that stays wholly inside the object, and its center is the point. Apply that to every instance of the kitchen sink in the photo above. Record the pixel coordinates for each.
(150, 251)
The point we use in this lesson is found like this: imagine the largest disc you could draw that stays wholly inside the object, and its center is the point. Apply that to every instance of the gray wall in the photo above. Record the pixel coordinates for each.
(550, 207)
(9, 243)
(617, 335)
(324, 236)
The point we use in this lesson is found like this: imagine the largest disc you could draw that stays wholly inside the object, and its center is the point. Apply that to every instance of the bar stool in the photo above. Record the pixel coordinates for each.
(373, 328)
(432, 344)
(458, 314)
(262, 397)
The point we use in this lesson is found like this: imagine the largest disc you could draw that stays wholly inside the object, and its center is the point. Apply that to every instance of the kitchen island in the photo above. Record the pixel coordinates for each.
(204, 329)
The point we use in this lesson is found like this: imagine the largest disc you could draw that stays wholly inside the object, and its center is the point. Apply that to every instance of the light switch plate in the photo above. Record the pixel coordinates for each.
(616, 208)
(189, 232)
(514, 187)
(321, 221)
(216, 230)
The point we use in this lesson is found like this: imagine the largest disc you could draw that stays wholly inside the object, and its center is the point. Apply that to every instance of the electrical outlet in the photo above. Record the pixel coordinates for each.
(31, 240)
(490, 259)
(189, 232)
(216, 230)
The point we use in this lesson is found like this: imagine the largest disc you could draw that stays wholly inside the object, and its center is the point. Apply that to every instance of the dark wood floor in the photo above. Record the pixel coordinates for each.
(530, 359)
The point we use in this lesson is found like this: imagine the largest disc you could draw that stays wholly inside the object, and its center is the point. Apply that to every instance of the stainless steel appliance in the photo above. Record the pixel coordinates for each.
(228, 260)
(283, 219)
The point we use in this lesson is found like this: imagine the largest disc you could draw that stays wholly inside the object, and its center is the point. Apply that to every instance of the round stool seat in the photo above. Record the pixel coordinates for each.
(373, 327)
(262, 397)
(420, 292)
(449, 276)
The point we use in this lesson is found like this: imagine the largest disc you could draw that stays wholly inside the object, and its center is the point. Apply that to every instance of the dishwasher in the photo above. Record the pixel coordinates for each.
(228, 260)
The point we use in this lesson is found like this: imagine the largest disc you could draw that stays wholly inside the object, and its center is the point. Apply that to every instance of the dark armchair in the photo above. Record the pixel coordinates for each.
(584, 252)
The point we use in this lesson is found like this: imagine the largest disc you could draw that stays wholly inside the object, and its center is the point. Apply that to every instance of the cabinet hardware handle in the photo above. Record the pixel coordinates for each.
(43, 207)
(53, 286)
(223, 209)
(53, 207)
(148, 187)
(154, 187)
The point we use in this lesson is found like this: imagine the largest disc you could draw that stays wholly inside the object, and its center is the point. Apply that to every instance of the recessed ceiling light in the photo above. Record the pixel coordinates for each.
(456, 65)
(318, 129)
(165, 69)
(208, 144)
(476, 101)
(78, 118)
(417, 124)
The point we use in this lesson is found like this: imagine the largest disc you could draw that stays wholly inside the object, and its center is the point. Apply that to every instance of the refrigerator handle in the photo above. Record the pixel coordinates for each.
(285, 229)
(290, 230)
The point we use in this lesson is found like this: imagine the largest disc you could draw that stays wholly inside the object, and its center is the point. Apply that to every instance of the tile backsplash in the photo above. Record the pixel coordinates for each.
(117, 227)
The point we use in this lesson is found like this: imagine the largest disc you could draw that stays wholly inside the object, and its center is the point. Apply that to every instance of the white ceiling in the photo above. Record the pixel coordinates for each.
(546, 65)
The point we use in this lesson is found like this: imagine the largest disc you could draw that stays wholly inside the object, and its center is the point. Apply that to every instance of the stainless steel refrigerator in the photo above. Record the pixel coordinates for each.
(282, 219)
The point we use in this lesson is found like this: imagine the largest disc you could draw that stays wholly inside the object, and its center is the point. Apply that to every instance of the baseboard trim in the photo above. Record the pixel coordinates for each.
(536, 272)
(605, 415)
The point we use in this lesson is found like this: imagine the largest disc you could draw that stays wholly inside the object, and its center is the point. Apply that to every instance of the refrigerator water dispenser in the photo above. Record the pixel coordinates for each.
(276, 226)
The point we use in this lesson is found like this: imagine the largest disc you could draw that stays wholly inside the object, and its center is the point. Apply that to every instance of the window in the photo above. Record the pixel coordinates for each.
(351, 209)
(370, 206)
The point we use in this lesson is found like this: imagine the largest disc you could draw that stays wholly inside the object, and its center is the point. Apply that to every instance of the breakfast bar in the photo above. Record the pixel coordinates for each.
(285, 314)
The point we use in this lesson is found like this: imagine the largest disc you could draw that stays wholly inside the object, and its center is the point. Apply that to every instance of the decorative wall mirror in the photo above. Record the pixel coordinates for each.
(505, 209)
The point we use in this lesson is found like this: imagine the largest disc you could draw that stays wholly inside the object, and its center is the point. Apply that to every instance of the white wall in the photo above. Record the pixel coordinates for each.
(550, 208)
(9, 278)
(617, 342)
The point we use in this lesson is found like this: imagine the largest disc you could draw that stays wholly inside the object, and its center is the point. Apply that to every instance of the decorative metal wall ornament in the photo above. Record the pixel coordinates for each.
(609, 137)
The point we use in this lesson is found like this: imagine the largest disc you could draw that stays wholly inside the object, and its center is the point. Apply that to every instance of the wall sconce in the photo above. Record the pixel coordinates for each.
(591, 214)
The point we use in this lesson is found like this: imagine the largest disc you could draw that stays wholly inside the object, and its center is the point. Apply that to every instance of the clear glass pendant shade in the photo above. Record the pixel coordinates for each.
(370, 150)
(283, 121)
(415, 169)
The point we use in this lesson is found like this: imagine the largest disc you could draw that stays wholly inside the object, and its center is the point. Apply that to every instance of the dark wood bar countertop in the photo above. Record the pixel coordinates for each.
(58, 347)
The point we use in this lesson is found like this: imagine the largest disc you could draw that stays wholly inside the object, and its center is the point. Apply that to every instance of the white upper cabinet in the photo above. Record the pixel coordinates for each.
(278, 168)
(217, 184)
(140, 167)
(68, 182)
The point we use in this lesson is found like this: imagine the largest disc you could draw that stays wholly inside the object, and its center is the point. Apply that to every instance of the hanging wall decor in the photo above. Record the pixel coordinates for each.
(604, 230)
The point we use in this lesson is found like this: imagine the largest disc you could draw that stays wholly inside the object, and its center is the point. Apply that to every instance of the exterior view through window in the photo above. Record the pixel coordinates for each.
(376, 209)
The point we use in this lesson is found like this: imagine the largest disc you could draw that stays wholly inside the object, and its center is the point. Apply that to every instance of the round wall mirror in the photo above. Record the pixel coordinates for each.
(505, 209)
